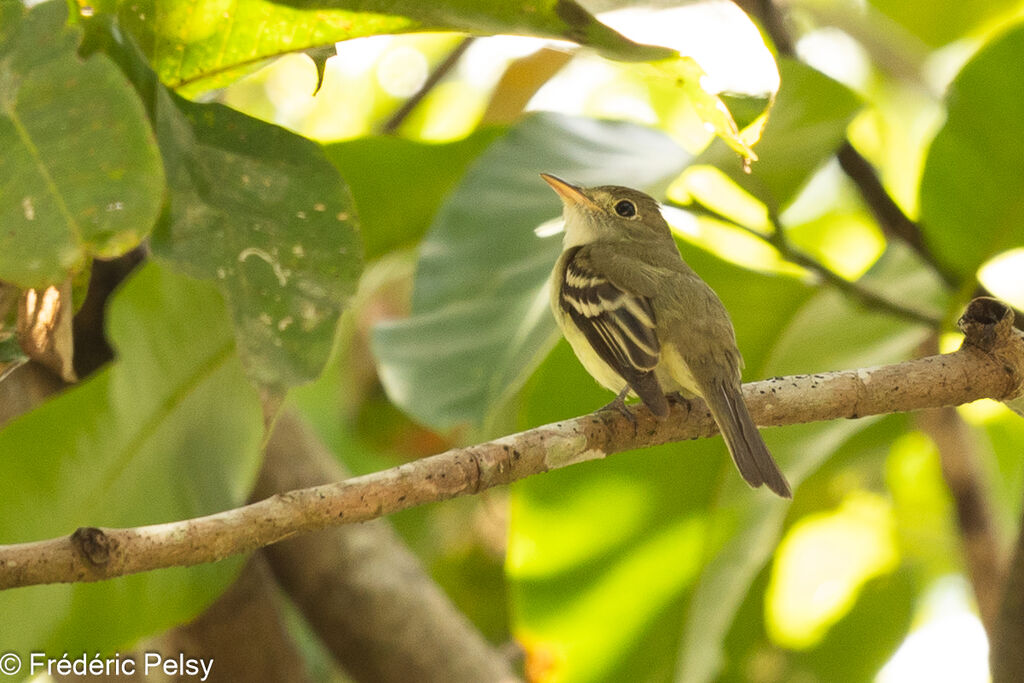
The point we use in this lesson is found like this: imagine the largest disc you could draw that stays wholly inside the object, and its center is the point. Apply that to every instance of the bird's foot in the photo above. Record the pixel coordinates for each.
(619, 404)
(678, 399)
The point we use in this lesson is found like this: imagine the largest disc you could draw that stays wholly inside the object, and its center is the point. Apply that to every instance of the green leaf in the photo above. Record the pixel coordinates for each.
(687, 75)
(805, 127)
(650, 519)
(678, 518)
(260, 211)
(398, 184)
(972, 191)
(80, 175)
(877, 624)
(855, 338)
(191, 41)
(480, 319)
(171, 430)
(937, 22)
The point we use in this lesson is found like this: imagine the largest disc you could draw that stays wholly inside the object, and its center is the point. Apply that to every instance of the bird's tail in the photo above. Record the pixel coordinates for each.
(741, 435)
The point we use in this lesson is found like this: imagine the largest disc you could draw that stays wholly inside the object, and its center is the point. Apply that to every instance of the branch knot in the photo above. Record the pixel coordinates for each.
(93, 544)
(987, 325)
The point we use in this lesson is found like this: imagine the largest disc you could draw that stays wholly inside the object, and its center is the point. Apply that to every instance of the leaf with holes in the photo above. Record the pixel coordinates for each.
(260, 211)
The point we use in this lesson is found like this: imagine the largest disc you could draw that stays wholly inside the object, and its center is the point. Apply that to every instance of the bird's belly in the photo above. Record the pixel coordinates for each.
(599, 370)
(674, 373)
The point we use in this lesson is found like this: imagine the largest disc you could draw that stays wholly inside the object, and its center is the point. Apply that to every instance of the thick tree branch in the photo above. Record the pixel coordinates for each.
(974, 518)
(1006, 656)
(370, 601)
(990, 364)
(253, 605)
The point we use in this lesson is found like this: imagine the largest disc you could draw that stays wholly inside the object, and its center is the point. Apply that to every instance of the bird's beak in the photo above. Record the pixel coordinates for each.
(570, 194)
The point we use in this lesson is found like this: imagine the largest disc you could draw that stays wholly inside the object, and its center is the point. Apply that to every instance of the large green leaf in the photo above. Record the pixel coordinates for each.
(260, 211)
(191, 41)
(677, 519)
(398, 184)
(170, 430)
(938, 22)
(480, 320)
(80, 175)
(972, 191)
(829, 332)
(806, 126)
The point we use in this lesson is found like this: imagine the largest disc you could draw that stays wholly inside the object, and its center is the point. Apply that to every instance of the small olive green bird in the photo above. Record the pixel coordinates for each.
(641, 321)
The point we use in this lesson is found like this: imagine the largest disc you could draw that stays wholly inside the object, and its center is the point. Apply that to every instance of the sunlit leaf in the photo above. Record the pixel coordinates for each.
(805, 127)
(80, 175)
(943, 21)
(480, 317)
(823, 562)
(171, 430)
(972, 191)
(688, 75)
(194, 42)
(878, 623)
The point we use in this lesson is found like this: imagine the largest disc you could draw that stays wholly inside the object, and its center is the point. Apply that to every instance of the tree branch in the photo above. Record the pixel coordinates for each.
(959, 460)
(888, 214)
(253, 605)
(989, 364)
(1006, 656)
(364, 593)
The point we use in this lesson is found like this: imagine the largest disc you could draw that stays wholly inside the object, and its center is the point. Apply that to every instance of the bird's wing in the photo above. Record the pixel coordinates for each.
(619, 324)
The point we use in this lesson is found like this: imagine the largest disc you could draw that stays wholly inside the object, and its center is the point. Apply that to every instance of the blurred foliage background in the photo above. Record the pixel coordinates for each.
(360, 232)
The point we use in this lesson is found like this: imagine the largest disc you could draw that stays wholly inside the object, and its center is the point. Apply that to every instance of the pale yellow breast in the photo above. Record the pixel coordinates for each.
(672, 371)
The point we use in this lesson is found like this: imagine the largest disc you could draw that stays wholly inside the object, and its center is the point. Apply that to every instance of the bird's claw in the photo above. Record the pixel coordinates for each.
(619, 404)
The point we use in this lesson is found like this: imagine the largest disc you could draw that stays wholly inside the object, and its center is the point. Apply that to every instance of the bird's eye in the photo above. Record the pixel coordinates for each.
(625, 208)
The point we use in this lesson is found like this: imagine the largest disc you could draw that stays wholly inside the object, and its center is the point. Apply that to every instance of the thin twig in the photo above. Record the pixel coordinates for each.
(856, 291)
(888, 214)
(990, 364)
(773, 21)
(439, 72)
